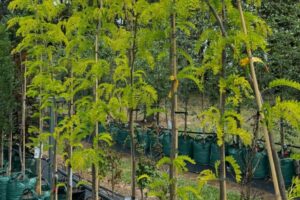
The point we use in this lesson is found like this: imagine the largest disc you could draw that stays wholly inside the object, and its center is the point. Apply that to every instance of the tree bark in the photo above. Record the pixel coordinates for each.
(1, 150)
(186, 116)
(173, 64)
(39, 161)
(10, 143)
(23, 123)
(223, 190)
(282, 137)
(131, 55)
(95, 180)
(54, 164)
(70, 148)
(277, 182)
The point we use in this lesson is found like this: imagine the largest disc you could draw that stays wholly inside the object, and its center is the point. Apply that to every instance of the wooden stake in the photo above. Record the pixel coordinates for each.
(173, 64)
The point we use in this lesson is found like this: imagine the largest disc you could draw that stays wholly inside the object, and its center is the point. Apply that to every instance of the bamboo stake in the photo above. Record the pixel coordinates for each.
(173, 62)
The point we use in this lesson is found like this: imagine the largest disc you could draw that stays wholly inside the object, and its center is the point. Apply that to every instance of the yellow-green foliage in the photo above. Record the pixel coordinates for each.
(159, 185)
(284, 82)
(212, 120)
(82, 159)
(288, 110)
(179, 163)
(236, 168)
(237, 88)
(205, 176)
(294, 191)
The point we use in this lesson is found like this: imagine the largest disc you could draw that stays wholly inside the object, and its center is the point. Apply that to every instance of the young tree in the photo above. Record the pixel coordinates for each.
(273, 157)
(8, 102)
(223, 52)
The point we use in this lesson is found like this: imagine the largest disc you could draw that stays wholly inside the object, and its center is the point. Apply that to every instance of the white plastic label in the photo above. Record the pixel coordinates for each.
(169, 124)
(36, 152)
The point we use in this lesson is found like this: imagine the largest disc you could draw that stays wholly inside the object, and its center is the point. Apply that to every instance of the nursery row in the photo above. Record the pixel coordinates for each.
(205, 151)
(17, 186)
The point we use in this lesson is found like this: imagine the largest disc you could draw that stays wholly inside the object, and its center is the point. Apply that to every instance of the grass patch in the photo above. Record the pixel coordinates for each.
(126, 170)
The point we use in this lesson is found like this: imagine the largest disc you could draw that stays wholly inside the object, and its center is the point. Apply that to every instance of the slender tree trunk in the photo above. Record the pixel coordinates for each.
(157, 114)
(95, 182)
(54, 164)
(70, 148)
(10, 142)
(142, 194)
(23, 125)
(223, 190)
(131, 129)
(39, 160)
(1, 150)
(282, 137)
(133, 156)
(276, 175)
(186, 116)
(131, 54)
(239, 126)
(202, 100)
(220, 20)
(54, 171)
(39, 169)
(166, 114)
(173, 59)
(70, 174)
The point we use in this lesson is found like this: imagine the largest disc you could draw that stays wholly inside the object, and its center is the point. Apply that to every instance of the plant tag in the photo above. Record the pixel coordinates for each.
(37, 152)
(169, 124)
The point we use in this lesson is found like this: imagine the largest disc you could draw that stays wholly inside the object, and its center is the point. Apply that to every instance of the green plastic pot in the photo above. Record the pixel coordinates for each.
(238, 155)
(152, 140)
(166, 143)
(201, 151)
(288, 171)
(122, 135)
(15, 188)
(30, 195)
(46, 195)
(185, 146)
(214, 154)
(16, 164)
(101, 128)
(113, 129)
(142, 139)
(62, 197)
(260, 165)
(3, 186)
(30, 164)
